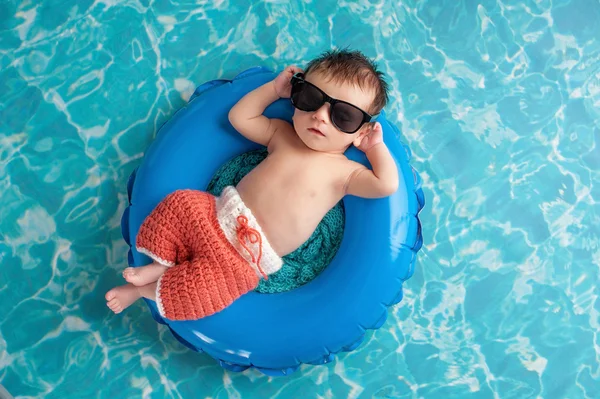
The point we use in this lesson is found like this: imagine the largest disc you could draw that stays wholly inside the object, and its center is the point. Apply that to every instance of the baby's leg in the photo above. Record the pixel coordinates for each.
(148, 291)
(169, 234)
(120, 298)
(140, 276)
(206, 285)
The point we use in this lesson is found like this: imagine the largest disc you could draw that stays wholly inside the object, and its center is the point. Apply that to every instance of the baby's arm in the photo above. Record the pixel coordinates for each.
(383, 179)
(247, 115)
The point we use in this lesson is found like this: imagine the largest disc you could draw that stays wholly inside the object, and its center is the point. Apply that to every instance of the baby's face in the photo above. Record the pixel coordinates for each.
(315, 128)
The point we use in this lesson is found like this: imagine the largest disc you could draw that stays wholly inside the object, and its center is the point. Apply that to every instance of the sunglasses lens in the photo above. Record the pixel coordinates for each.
(346, 117)
(306, 97)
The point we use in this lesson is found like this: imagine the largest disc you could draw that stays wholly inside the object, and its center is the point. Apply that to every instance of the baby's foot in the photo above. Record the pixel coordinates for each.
(143, 275)
(133, 276)
(120, 298)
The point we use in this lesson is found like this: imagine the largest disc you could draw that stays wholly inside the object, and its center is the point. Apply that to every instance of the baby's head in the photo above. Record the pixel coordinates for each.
(347, 76)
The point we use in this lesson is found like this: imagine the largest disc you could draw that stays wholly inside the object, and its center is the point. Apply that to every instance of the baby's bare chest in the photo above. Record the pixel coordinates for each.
(296, 183)
(304, 173)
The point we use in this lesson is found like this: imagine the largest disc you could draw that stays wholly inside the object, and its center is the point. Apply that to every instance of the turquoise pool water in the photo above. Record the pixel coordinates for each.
(498, 100)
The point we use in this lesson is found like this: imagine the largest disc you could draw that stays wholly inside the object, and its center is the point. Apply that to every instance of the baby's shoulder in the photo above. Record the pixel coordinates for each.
(345, 162)
(340, 170)
(344, 167)
(283, 132)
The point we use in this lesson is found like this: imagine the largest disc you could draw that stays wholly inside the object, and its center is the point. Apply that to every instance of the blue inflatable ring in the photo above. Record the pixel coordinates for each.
(276, 333)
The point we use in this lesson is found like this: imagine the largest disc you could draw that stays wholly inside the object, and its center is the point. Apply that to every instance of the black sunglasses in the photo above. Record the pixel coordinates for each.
(346, 117)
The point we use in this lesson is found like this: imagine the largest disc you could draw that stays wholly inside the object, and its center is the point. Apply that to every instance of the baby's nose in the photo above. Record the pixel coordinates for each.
(322, 114)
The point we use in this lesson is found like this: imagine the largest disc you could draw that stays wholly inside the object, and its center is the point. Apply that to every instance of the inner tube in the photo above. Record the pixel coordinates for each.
(276, 333)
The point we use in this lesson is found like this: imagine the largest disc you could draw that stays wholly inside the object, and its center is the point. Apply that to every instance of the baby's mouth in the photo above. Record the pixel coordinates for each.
(315, 131)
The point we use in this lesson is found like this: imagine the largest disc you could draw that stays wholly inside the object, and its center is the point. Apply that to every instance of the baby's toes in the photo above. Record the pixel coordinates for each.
(132, 276)
(110, 295)
(128, 272)
(117, 309)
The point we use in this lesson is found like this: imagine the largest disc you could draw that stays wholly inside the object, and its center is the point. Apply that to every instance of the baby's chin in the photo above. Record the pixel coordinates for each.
(324, 146)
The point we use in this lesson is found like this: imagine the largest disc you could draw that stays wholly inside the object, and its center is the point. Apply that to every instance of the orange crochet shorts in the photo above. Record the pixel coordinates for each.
(215, 250)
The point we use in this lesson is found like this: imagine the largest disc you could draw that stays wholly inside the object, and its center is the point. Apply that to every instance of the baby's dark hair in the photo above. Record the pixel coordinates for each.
(345, 66)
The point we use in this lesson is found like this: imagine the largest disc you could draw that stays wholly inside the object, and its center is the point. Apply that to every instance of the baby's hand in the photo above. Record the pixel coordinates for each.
(372, 138)
(283, 85)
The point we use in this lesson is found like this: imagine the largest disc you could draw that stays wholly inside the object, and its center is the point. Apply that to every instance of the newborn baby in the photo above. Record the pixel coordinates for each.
(208, 251)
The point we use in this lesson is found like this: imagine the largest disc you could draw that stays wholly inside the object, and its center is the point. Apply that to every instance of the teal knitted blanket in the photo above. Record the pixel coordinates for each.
(305, 263)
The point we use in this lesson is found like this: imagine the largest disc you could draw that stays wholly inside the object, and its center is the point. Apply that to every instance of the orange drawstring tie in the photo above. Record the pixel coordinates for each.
(245, 232)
